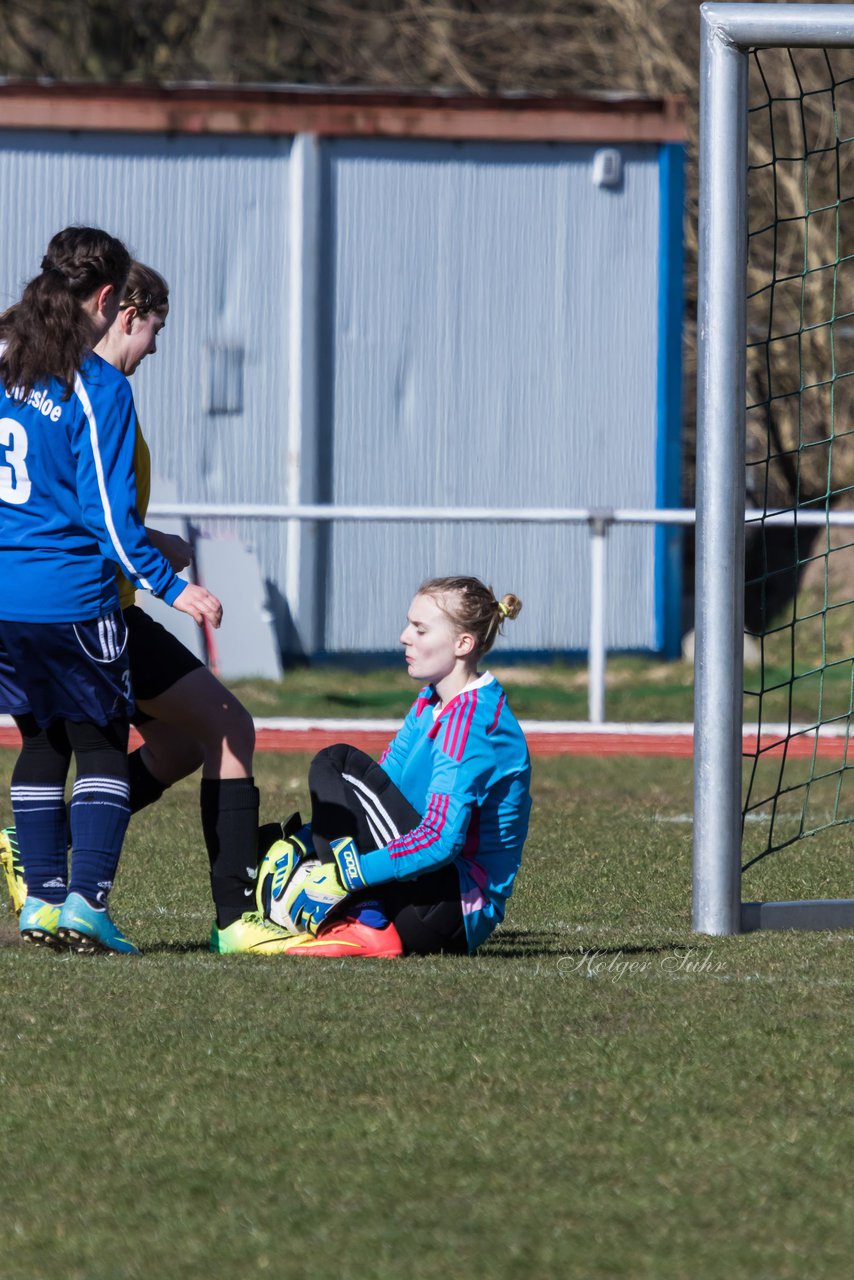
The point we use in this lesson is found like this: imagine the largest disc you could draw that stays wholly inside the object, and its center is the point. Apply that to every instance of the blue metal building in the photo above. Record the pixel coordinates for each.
(403, 300)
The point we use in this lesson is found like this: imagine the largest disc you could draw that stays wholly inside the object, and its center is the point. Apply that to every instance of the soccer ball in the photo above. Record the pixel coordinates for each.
(285, 893)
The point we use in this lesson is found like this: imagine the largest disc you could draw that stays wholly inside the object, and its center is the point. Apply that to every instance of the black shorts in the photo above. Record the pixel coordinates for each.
(157, 658)
(426, 912)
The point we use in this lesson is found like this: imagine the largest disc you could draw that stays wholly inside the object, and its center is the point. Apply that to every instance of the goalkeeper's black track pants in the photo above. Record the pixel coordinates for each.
(351, 795)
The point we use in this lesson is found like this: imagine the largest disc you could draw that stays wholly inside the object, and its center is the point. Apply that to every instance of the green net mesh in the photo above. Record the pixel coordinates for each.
(799, 601)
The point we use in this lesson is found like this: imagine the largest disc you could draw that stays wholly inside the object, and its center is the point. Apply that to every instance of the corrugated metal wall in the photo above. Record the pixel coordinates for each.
(211, 215)
(491, 318)
(486, 334)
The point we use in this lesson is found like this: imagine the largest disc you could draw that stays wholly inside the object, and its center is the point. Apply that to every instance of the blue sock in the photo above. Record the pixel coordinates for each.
(369, 913)
(42, 833)
(100, 814)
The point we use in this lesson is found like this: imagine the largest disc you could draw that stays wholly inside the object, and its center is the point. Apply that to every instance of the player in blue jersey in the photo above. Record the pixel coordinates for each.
(67, 517)
(186, 717)
(418, 853)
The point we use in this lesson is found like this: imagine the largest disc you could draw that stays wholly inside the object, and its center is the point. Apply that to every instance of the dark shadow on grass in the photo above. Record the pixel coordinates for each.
(175, 948)
(516, 944)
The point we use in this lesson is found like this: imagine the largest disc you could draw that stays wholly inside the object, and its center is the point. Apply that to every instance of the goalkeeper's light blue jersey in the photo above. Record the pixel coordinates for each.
(68, 501)
(467, 770)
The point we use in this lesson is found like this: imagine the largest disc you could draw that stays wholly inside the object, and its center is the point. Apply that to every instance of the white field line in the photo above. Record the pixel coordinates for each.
(615, 728)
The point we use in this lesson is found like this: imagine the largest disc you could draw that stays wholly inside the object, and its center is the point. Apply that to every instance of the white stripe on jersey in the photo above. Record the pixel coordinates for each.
(83, 397)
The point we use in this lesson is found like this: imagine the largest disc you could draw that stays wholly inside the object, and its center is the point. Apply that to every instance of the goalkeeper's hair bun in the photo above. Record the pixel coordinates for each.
(509, 606)
(472, 606)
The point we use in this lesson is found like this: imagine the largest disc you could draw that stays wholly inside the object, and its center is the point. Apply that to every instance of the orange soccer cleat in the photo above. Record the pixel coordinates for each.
(347, 938)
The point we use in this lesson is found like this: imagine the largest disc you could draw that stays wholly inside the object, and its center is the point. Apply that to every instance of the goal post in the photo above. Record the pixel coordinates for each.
(729, 32)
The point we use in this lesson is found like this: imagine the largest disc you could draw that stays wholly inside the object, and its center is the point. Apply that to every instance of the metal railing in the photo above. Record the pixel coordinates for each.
(598, 521)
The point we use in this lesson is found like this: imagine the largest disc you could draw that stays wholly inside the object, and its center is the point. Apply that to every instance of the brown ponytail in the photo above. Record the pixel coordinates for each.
(48, 333)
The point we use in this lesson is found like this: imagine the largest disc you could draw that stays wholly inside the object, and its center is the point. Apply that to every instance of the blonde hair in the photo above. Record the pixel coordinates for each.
(472, 606)
(146, 290)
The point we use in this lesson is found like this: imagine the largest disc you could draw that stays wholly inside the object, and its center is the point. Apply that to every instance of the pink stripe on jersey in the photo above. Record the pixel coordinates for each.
(450, 743)
(461, 736)
(494, 724)
(450, 721)
(458, 723)
(426, 833)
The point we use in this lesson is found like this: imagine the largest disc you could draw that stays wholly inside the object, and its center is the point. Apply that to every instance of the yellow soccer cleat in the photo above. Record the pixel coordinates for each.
(13, 869)
(251, 934)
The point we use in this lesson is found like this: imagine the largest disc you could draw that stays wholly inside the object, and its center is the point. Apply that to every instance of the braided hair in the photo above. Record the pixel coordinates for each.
(146, 290)
(48, 333)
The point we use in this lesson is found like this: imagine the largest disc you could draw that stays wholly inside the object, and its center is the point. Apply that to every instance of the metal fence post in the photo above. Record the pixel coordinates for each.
(598, 524)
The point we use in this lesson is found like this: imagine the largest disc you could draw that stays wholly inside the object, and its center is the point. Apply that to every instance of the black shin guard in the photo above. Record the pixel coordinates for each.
(144, 787)
(230, 827)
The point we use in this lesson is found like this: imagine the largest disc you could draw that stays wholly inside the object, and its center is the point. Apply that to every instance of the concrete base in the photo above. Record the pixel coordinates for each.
(818, 913)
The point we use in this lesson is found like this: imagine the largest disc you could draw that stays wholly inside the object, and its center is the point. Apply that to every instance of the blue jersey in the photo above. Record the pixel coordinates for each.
(467, 770)
(68, 501)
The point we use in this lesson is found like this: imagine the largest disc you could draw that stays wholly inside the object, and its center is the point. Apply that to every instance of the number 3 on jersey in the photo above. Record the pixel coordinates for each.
(15, 485)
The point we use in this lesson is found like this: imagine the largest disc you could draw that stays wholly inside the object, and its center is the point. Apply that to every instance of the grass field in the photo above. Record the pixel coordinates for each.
(599, 1093)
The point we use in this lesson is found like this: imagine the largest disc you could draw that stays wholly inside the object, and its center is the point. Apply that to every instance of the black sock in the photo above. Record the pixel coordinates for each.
(144, 787)
(230, 827)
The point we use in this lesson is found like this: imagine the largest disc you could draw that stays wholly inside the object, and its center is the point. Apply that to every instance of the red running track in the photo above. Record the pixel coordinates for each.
(575, 740)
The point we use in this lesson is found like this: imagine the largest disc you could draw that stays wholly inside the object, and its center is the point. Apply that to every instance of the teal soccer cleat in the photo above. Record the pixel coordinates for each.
(38, 923)
(90, 931)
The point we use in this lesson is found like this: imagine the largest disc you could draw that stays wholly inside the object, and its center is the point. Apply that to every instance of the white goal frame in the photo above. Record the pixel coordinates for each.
(728, 33)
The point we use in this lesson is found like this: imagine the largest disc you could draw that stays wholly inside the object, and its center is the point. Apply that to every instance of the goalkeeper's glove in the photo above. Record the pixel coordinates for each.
(326, 886)
(349, 863)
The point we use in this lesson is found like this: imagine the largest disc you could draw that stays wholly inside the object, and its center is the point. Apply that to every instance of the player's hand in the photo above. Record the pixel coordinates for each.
(315, 897)
(177, 550)
(348, 861)
(199, 604)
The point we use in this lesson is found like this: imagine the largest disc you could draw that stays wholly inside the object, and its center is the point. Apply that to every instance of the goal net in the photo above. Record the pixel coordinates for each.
(775, 435)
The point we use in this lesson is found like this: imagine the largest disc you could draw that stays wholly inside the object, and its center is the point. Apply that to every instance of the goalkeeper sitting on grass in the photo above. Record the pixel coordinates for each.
(416, 854)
